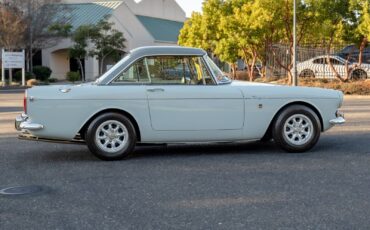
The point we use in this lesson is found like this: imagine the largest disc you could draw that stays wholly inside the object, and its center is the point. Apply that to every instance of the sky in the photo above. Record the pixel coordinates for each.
(190, 6)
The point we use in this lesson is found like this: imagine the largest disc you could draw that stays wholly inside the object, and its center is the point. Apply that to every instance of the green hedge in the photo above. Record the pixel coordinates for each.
(18, 76)
(73, 76)
(42, 73)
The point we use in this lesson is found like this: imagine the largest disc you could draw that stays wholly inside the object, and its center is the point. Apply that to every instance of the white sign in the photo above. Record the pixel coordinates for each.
(13, 60)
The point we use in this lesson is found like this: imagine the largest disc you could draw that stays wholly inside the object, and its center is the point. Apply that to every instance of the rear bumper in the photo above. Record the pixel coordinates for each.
(339, 120)
(22, 122)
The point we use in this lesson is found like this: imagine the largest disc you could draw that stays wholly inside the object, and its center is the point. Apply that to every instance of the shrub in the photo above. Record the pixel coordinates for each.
(53, 80)
(18, 76)
(73, 76)
(42, 73)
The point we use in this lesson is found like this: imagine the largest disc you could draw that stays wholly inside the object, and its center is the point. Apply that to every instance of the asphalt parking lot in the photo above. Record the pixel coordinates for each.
(212, 186)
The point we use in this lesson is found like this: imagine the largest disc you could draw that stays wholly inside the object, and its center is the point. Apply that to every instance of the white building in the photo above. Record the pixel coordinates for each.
(143, 23)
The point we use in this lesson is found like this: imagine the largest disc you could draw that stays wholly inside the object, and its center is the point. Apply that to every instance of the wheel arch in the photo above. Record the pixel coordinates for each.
(306, 69)
(111, 110)
(268, 132)
(359, 69)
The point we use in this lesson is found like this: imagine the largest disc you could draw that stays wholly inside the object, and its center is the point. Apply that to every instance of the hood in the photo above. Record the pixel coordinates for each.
(271, 91)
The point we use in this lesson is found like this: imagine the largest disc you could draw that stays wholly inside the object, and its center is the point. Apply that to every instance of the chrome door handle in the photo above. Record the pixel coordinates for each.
(155, 90)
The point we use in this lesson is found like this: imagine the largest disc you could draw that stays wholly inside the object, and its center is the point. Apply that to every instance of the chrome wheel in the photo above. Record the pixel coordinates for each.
(298, 129)
(111, 136)
(359, 74)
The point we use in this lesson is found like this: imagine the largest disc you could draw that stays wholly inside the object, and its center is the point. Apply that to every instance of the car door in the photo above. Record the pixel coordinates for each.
(338, 66)
(319, 67)
(182, 96)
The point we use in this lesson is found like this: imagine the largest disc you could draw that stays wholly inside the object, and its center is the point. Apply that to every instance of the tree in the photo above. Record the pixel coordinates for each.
(245, 28)
(227, 51)
(78, 51)
(363, 28)
(203, 31)
(12, 27)
(281, 26)
(100, 41)
(342, 21)
(191, 34)
(249, 29)
(107, 42)
(38, 30)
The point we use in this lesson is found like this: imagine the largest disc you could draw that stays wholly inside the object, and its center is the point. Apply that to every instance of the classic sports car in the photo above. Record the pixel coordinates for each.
(318, 67)
(140, 100)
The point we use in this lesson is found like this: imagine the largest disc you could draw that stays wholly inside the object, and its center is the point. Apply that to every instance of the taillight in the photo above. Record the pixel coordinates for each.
(25, 102)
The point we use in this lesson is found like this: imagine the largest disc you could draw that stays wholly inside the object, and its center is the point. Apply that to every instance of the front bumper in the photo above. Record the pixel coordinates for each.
(22, 122)
(339, 120)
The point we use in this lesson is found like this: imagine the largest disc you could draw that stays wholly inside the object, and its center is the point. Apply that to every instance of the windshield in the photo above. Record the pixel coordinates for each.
(220, 76)
(111, 70)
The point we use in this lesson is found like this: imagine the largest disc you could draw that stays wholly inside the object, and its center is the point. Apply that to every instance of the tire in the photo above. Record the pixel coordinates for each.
(111, 136)
(307, 73)
(358, 74)
(296, 129)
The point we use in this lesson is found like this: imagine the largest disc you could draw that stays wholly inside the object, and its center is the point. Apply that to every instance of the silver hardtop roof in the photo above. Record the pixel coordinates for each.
(164, 50)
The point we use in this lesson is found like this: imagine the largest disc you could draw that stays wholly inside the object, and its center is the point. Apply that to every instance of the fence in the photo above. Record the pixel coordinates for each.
(279, 55)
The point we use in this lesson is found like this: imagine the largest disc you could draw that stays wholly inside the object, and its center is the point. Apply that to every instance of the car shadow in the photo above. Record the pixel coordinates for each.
(332, 144)
(82, 154)
(181, 150)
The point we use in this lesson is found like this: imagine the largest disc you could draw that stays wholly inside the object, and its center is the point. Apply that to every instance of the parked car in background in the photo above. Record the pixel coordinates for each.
(318, 67)
(141, 100)
(353, 52)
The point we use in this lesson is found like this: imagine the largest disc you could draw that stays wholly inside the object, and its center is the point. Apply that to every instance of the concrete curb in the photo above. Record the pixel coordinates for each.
(357, 96)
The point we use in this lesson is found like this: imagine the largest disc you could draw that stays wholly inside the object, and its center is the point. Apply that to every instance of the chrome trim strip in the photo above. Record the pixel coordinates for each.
(28, 137)
(337, 121)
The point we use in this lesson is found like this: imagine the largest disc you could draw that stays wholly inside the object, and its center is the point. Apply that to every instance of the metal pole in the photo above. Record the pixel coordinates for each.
(295, 80)
(10, 76)
(2, 67)
(23, 71)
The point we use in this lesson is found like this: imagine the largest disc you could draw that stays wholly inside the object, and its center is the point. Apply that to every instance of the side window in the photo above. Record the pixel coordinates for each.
(178, 70)
(183, 70)
(136, 73)
(319, 61)
(167, 70)
(201, 75)
(335, 61)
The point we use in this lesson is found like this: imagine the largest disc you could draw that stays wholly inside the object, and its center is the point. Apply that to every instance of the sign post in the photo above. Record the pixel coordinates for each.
(2, 68)
(13, 60)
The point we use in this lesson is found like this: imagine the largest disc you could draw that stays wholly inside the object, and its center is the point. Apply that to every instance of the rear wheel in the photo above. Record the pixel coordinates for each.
(307, 73)
(297, 129)
(111, 136)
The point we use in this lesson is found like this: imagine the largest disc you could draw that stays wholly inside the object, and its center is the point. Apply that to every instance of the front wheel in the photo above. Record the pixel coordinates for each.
(297, 129)
(358, 74)
(111, 136)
